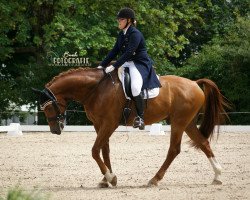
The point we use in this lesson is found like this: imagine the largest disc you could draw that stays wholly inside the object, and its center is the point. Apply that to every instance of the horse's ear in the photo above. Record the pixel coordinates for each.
(36, 91)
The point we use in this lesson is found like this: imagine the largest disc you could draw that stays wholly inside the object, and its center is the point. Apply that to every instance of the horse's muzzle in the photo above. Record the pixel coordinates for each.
(57, 129)
(56, 132)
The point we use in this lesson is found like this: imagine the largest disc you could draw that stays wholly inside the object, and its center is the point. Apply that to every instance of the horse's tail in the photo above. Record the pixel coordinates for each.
(215, 104)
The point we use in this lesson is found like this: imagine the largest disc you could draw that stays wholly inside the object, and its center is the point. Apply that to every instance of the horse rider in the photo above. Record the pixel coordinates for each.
(131, 47)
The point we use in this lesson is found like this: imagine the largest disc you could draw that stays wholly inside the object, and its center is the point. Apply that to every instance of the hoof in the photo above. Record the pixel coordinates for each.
(216, 182)
(114, 181)
(152, 183)
(103, 184)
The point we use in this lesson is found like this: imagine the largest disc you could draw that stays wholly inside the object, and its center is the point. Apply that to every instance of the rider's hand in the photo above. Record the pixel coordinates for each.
(99, 67)
(109, 69)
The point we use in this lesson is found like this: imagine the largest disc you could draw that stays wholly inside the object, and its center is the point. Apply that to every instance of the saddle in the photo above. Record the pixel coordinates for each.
(128, 93)
(124, 76)
(127, 83)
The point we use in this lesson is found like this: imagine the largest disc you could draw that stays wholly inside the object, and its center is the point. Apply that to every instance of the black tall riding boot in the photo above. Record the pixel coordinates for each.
(139, 105)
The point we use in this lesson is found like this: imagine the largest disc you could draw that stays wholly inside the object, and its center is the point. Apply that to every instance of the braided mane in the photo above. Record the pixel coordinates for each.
(70, 71)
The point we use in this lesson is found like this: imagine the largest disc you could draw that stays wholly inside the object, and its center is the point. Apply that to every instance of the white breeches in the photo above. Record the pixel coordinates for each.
(136, 78)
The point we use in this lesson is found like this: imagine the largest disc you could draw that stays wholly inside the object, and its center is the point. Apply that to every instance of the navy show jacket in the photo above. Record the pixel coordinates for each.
(132, 47)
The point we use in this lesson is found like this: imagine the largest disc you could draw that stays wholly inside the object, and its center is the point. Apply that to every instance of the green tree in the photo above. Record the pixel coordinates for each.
(226, 60)
(39, 27)
(214, 19)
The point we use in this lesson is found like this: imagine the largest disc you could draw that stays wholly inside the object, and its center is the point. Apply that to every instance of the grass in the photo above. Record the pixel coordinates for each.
(20, 194)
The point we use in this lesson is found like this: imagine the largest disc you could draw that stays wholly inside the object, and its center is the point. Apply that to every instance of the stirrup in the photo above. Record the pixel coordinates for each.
(139, 123)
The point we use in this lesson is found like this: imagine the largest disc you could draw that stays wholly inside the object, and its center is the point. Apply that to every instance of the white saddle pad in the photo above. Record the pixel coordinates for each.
(151, 92)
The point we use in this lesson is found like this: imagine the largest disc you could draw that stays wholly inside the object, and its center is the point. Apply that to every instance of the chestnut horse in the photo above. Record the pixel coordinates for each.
(179, 101)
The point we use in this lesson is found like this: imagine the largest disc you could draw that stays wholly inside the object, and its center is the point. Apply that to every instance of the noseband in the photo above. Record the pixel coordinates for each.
(51, 99)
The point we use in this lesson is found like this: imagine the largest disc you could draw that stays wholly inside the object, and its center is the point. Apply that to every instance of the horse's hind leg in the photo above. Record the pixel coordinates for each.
(203, 143)
(174, 150)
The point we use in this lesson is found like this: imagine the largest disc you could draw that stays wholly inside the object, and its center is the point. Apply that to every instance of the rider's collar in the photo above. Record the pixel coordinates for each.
(125, 30)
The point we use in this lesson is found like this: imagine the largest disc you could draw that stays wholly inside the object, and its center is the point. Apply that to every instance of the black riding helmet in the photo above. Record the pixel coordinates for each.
(126, 13)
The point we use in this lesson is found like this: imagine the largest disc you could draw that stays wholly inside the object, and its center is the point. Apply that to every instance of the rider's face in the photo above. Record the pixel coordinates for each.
(122, 23)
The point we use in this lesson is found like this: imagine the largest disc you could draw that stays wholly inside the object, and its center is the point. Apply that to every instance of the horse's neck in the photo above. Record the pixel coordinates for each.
(76, 86)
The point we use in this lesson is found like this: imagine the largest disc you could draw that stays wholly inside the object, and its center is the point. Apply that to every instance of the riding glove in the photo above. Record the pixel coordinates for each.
(109, 69)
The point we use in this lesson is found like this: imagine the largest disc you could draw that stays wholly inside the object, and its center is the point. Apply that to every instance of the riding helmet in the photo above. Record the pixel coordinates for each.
(126, 13)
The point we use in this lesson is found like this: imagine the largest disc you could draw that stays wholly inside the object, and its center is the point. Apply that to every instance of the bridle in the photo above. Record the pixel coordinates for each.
(52, 100)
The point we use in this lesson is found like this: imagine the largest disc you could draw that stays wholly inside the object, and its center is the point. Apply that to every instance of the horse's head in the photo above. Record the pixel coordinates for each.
(53, 109)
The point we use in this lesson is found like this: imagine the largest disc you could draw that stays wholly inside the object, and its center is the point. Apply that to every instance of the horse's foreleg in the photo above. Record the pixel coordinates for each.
(174, 150)
(106, 158)
(105, 154)
(101, 140)
(202, 143)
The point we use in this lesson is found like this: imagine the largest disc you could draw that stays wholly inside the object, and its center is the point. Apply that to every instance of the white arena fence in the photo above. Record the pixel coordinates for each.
(154, 129)
(16, 129)
(31, 118)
